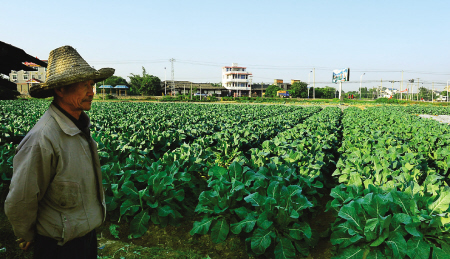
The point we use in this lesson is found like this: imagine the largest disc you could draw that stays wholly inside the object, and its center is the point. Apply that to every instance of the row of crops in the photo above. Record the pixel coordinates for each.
(262, 172)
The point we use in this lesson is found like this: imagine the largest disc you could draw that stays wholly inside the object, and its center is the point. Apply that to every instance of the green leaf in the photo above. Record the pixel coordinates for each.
(439, 253)
(402, 218)
(130, 207)
(179, 195)
(348, 212)
(165, 211)
(248, 224)
(139, 224)
(129, 189)
(397, 244)
(300, 230)
(113, 230)
(409, 166)
(381, 238)
(217, 171)
(208, 198)
(375, 254)
(337, 193)
(441, 204)
(284, 249)
(378, 205)
(417, 248)
(219, 231)
(255, 199)
(261, 240)
(351, 252)
(404, 201)
(273, 190)
(263, 220)
(341, 238)
(235, 171)
(411, 229)
(241, 212)
(201, 227)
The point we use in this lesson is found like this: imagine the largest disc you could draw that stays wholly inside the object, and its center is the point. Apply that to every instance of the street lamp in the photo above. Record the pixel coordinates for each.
(308, 82)
(360, 82)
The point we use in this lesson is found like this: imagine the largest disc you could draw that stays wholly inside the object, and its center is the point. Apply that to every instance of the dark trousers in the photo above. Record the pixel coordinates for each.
(84, 247)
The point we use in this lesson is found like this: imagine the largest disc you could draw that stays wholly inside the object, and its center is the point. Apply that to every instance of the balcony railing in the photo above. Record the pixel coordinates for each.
(237, 80)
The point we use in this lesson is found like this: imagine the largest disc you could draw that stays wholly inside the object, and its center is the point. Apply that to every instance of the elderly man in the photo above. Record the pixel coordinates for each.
(56, 197)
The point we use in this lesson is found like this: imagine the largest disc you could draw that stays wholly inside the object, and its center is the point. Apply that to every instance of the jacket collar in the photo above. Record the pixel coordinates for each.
(66, 124)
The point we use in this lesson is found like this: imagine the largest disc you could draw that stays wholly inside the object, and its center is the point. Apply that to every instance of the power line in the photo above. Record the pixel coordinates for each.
(265, 67)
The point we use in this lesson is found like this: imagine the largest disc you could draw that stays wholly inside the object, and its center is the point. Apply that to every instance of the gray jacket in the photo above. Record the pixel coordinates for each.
(56, 188)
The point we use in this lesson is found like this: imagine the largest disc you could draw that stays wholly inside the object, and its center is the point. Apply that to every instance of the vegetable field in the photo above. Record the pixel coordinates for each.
(264, 173)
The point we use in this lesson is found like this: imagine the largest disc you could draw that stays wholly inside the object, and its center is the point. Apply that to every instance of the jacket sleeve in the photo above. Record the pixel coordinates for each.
(32, 173)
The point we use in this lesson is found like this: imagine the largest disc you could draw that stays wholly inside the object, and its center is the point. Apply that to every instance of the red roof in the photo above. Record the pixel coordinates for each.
(34, 80)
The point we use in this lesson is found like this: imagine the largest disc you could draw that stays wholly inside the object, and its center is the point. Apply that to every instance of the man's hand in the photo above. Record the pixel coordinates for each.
(24, 245)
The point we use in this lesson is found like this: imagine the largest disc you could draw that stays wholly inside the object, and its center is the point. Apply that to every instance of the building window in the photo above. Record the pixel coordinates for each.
(14, 77)
(25, 77)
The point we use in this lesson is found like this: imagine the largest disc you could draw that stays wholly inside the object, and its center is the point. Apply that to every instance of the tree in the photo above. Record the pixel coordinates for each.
(299, 89)
(145, 84)
(425, 94)
(114, 80)
(271, 91)
(329, 92)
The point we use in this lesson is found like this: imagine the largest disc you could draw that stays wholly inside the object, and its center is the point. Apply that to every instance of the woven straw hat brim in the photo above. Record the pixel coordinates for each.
(45, 90)
(66, 67)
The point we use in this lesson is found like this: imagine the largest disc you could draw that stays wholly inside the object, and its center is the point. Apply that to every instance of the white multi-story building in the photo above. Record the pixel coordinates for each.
(26, 79)
(236, 79)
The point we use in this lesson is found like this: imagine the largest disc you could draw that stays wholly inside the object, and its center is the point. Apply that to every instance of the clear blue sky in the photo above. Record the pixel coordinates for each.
(273, 39)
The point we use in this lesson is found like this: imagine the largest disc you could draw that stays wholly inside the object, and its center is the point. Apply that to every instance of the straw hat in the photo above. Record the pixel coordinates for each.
(66, 67)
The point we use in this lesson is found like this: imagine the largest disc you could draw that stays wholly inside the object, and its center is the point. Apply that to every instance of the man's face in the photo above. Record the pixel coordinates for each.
(78, 97)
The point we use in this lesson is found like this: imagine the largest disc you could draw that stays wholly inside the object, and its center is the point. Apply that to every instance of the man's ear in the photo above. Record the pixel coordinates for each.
(59, 91)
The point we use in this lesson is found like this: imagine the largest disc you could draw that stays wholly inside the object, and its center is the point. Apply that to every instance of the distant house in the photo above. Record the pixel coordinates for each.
(236, 79)
(25, 79)
(20, 67)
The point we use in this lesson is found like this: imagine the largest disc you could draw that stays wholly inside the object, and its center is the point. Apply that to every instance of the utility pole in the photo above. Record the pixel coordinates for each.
(308, 83)
(314, 83)
(173, 76)
(381, 86)
(251, 79)
(392, 89)
(401, 88)
(418, 89)
(262, 83)
(191, 90)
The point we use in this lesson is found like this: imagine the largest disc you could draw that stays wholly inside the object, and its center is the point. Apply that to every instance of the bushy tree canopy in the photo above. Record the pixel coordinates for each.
(325, 93)
(145, 84)
(299, 90)
(271, 91)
